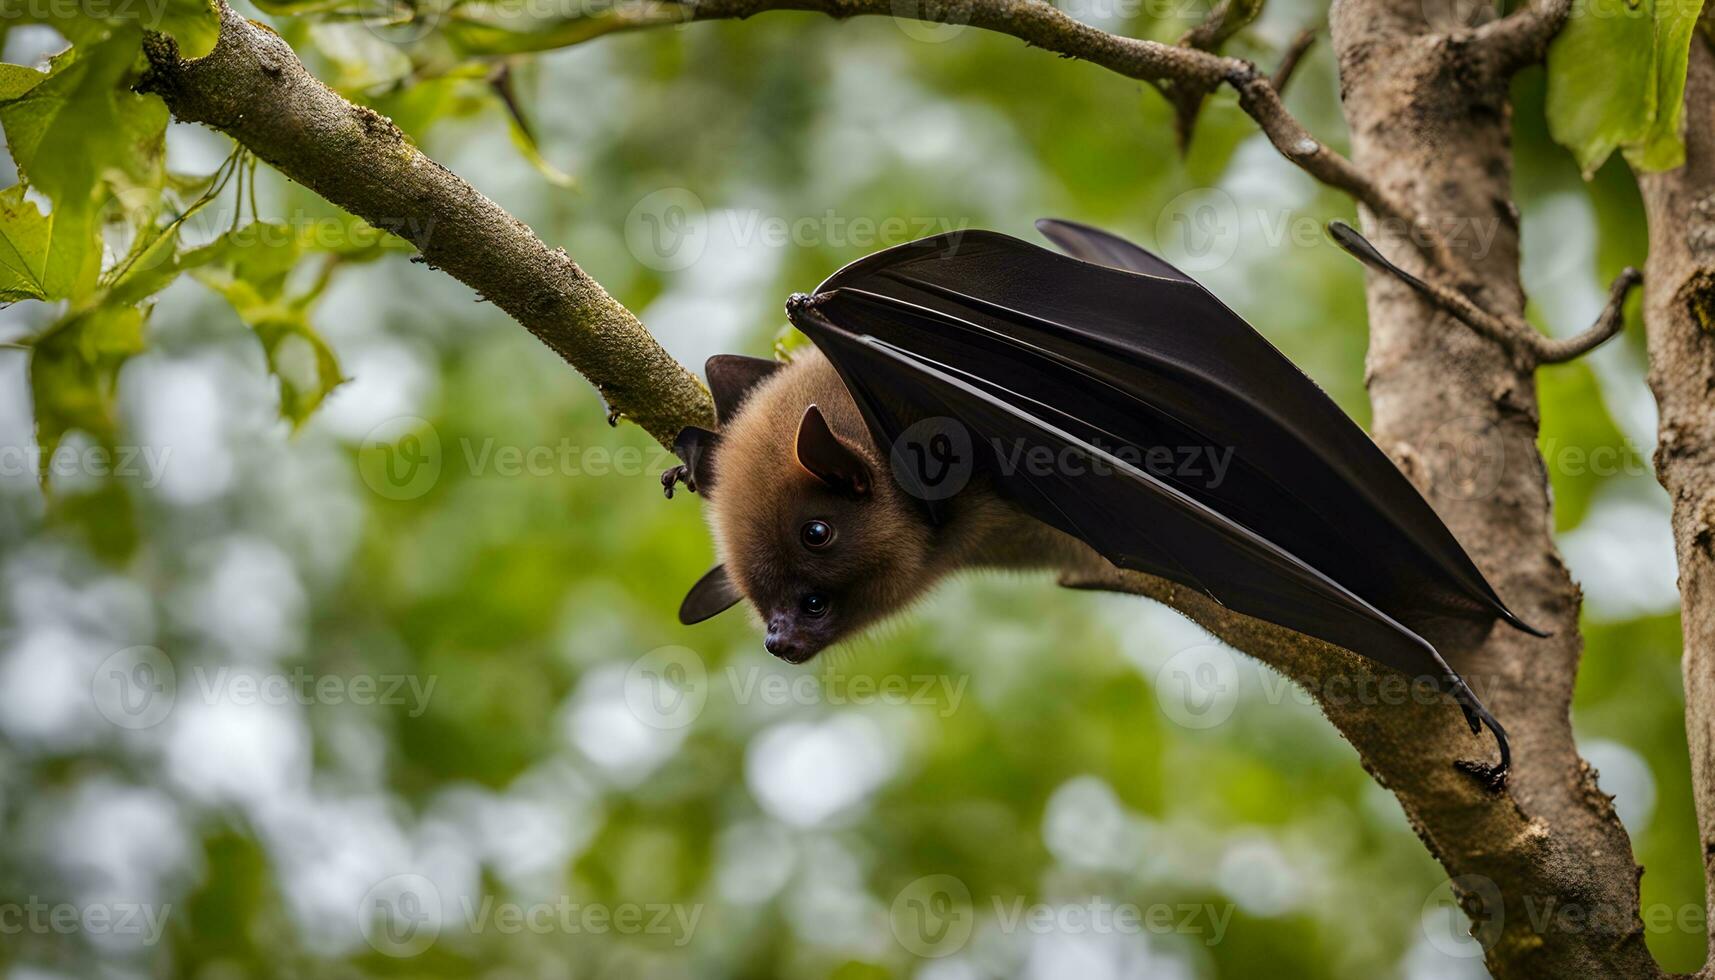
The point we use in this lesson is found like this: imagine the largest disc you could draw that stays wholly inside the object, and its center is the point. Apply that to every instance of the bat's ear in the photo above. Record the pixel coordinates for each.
(731, 376)
(825, 457)
(713, 594)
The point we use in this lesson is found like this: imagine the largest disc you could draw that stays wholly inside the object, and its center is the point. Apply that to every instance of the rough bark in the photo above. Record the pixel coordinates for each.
(253, 88)
(1429, 118)
(1679, 311)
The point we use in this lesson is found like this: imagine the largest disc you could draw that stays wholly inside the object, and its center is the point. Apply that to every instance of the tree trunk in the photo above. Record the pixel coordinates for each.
(1430, 122)
(1679, 309)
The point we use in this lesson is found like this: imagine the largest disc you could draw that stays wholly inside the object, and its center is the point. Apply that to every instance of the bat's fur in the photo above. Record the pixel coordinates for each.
(885, 554)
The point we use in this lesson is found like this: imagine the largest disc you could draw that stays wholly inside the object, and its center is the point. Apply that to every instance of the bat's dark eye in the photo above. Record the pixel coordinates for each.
(817, 534)
(814, 604)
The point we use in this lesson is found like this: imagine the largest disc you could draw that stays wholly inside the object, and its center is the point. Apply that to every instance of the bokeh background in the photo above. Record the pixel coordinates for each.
(312, 716)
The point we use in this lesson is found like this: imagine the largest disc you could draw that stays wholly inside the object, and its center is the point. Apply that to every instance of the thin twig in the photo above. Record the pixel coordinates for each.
(1218, 27)
(1210, 34)
(1041, 25)
(1187, 97)
(1294, 54)
(1521, 340)
(1612, 318)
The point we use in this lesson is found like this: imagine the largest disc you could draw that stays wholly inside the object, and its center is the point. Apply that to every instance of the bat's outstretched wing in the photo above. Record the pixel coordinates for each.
(1043, 357)
(1106, 248)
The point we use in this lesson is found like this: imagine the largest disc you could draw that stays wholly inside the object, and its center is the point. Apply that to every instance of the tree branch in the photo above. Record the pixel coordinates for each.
(253, 88)
(1529, 347)
(1041, 25)
(1224, 19)
(1521, 38)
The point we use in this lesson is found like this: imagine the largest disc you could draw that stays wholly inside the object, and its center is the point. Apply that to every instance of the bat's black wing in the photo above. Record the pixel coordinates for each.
(1119, 380)
(1106, 248)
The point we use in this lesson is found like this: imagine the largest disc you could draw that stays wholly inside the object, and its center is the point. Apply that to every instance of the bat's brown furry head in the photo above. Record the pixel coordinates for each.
(811, 528)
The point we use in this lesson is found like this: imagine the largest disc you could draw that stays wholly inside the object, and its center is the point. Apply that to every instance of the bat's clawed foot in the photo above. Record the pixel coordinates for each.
(1492, 778)
(675, 475)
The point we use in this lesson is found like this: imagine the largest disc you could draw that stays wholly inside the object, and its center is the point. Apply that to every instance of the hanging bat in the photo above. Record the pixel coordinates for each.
(976, 401)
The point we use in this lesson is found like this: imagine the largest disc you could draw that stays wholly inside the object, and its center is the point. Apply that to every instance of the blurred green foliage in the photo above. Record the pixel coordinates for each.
(360, 474)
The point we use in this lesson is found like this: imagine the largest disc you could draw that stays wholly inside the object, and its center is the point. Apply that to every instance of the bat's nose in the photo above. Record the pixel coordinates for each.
(784, 642)
(781, 647)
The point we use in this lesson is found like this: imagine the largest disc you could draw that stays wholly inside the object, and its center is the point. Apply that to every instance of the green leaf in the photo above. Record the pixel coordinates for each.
(74, 373)
(301, 361)
(1616, 80)
(192, 23)
(43, 256)
(15, 80)
(83, 121)
(523, 134)
(250, 266)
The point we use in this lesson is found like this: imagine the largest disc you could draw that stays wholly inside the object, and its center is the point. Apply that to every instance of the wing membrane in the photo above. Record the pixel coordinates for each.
(1160, 362)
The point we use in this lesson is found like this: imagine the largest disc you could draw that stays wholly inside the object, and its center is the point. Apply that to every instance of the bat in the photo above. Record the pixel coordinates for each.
(975, 401)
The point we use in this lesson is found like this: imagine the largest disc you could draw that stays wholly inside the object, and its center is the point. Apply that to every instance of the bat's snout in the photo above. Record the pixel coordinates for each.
(786, 641)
